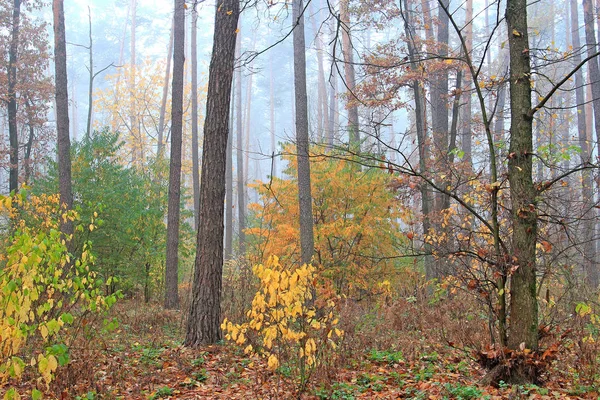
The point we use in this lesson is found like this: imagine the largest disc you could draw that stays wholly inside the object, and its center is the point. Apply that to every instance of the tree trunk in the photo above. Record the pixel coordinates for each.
(195, 162)
(424, 154)
(272, 116)
(592, 276)
(322, 106)
(165, 93)
(12, 98)
(586, 184)
(241, 191)
(348, 53)
(523, 301)
(205, 312)
(229, 187)
(466, 120)
(88, 130)
(62, 112)
(133, 122)
(439, 104)
(301, 101)
(172, 260)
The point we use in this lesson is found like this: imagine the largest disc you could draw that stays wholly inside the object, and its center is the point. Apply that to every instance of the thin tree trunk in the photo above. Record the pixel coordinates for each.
(424, 154)
(29, 145)
(582, 129)
(466, 120)
(241, 192)
(322, 106)
(348, 53)
(172, 260)
(523, 300)
(205, 312)
(439, 104)
(12, 98)
(592, 273)
(62, 112)
(272, 116)
(195, 162)
(301, 101)
(229, 186)
(88, 130)
(135, 133)
(165, 94)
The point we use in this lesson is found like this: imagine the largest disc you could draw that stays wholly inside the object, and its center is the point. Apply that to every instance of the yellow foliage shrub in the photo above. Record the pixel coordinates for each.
(42, 289)
(358, 224)
(284, 325)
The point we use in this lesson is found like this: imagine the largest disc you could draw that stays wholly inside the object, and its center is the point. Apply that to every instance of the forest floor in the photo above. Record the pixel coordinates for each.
(144, 359)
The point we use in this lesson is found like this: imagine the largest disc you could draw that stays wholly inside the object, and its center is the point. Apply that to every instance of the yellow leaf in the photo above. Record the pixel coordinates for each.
(44, 331)
(273, 362)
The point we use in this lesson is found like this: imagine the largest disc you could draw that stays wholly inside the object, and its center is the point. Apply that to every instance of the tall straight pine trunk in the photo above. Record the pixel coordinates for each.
(172, 260)
(204, 321)
(301, 101)
(62, 112)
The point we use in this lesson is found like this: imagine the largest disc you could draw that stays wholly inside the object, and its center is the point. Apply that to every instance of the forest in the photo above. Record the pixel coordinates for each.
(300, 199)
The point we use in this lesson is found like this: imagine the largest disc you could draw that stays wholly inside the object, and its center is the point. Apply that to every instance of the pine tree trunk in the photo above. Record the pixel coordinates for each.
(62, 112)
(301, 101)
(205, 312)
(172, 260)
(229, 187)
(195, 162)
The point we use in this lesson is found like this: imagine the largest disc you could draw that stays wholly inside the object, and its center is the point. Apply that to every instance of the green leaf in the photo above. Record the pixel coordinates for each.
(36, 394)
(67, 318)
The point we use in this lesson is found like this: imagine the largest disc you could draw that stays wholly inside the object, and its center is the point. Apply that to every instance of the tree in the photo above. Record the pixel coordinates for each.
(62, 112)
(12, 98)
(195, 163)
(27, 91)
(204, 319)
(523, 305)
(307, 241)
(172, 260)
(350, 80)
(241, 191)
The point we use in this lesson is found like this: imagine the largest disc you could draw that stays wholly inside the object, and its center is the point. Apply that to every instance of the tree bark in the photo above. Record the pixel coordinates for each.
(62, 112)
(348, 53)
(272, 116)
(205, 312)
(172, 260)
(466, 120)
(592, 273)
(301, 101)
(12, 98)
(523, 301)
(165, 94)
(88, 130)
(241, 191)
(229, 187)
(582, 129)
(195, 161)
(439, 104)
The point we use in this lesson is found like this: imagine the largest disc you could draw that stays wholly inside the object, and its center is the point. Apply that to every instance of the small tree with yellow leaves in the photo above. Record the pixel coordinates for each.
(284, 324)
